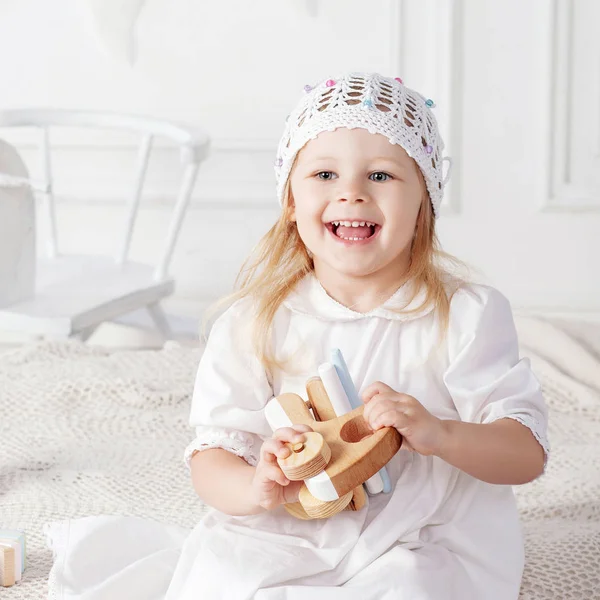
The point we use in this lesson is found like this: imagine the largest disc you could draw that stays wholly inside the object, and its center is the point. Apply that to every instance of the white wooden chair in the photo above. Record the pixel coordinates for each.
(75, 294)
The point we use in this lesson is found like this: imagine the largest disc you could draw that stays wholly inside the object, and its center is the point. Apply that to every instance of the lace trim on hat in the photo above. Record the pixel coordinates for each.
(373, 102)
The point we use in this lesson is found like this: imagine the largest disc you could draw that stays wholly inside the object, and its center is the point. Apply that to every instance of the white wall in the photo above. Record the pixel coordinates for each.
(524, 206)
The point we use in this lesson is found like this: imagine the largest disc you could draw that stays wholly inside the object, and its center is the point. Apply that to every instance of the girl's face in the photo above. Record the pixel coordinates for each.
(350, 177)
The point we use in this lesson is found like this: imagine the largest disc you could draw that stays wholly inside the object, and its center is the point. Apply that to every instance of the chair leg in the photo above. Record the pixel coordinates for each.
(160, 320)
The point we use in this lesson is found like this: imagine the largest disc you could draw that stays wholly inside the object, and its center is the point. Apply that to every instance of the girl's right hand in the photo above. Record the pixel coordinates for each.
(270, 486)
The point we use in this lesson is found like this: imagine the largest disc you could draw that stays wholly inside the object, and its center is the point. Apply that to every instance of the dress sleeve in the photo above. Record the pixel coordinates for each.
(485, 376)
(231, 391)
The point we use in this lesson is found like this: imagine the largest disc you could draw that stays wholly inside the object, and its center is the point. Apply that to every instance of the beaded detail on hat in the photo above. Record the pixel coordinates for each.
(373, 102)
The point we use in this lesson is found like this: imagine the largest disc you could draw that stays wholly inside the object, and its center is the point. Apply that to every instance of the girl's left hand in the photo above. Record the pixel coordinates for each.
(384, 407)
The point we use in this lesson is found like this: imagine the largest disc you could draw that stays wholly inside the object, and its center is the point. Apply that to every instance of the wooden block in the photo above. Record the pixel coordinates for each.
(319, 400)
(380, 482)
(335, 390)
(323, 411)
(16, 535)
(359, 499)
(359, 453)
(7, 566)
(295, 409)
(15, 540)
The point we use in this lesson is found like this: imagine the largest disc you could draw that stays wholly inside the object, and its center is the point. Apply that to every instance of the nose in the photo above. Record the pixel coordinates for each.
(352, 192)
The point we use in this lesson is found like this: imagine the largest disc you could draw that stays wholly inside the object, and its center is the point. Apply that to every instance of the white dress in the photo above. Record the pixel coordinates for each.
(440, 534)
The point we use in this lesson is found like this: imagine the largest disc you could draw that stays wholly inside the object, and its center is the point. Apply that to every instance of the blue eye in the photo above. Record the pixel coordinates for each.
(379, 177)
(325, 175)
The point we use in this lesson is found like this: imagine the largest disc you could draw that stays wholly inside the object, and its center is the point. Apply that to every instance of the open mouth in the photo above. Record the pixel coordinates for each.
(353, 231)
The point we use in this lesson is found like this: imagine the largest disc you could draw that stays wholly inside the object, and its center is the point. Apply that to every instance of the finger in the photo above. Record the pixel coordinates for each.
(391, 418)
(302, 428)
(378, 387)
(273, 449)
(368, 411)
(289, 434)
(406, 401)
(271, 473)
(290, 493)
(373, 405)
(377, 408)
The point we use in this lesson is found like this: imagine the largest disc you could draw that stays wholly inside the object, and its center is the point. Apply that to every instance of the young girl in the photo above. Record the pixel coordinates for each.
(353, 263)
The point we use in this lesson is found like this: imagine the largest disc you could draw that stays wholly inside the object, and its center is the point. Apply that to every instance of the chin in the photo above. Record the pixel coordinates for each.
(352, 270)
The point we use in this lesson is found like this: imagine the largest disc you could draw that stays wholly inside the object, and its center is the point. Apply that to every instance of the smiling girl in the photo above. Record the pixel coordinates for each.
(353, 263)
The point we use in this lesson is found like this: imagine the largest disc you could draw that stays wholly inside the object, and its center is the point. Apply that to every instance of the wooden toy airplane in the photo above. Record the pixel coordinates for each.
(336, 458)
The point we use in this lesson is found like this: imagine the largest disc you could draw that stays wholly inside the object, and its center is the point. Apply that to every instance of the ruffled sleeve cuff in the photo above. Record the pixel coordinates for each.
(237, 442)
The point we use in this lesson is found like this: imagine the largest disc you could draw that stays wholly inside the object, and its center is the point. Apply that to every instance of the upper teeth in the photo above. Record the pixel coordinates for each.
(353, 223)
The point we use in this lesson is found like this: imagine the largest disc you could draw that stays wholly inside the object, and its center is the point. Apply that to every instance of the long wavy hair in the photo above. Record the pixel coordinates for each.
(280, 260)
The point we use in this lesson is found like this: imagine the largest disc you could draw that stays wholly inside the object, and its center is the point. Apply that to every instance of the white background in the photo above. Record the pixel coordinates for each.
(517, 87)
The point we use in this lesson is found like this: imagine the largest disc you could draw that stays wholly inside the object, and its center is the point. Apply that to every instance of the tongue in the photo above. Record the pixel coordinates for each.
(362, 232)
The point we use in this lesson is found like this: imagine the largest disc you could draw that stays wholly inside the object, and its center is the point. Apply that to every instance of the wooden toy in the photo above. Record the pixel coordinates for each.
(335, 460)
(322, 409)
(7, 566)
(18, 536)
(12, 556)
(380, 482)
(340, 401)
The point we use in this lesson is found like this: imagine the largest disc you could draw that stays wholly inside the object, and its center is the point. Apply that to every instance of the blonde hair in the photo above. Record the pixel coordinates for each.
(280, 260)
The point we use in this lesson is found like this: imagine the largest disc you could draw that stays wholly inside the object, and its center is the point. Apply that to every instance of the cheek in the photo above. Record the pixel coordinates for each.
(309, 224)
(404, 222)
(403, 208)
(309, 207)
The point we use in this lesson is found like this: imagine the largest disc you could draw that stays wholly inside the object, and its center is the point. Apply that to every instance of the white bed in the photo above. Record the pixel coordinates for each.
(87, 431)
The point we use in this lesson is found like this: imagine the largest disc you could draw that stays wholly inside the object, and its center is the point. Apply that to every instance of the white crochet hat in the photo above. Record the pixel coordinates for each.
(378, 104)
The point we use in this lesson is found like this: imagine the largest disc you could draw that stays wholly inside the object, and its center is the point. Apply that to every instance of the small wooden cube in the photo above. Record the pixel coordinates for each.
(15, 540)
(7, 566)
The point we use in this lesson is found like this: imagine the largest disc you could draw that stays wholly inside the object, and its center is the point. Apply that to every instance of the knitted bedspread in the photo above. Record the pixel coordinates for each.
(89, 431)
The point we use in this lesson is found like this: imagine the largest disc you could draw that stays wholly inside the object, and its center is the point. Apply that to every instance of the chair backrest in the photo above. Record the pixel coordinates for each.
(17, 229)
(194, 147)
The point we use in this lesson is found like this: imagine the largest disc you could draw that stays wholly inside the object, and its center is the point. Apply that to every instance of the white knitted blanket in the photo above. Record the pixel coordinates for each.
(86, 431)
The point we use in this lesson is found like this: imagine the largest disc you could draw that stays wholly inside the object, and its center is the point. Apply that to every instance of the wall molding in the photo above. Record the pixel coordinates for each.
(154, 201)
(562, 193)
(27, 138)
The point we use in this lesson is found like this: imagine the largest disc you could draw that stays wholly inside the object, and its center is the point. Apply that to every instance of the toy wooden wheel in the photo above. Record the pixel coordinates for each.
(307, 458)
(295, 509)
(318, 509)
